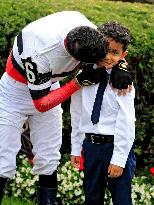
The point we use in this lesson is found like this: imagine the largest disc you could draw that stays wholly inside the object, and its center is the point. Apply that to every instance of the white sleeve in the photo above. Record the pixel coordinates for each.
(76, 136)
(124, 130)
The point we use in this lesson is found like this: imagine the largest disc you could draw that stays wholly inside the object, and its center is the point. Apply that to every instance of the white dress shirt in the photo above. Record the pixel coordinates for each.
(117, 117)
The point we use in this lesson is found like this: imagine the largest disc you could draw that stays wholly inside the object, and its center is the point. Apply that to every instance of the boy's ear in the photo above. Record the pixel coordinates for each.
(125, 53)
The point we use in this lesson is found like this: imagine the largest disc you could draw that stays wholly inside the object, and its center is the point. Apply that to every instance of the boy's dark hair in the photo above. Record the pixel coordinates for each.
(117, 32)
(86, 44)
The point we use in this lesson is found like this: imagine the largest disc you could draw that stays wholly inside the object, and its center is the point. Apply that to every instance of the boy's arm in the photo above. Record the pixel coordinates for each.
(76, 136)
(124, 130)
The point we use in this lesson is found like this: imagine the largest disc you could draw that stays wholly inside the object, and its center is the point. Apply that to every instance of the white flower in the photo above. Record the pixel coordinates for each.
(64, 170)
(31, 191)
(77, 192)
(36, 178)
(15, 195)
(75, 178)
(18, 192)
(81, 174)
(19, 180)
(17, 173)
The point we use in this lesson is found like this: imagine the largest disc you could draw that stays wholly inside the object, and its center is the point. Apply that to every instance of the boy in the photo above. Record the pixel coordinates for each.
(108, 129)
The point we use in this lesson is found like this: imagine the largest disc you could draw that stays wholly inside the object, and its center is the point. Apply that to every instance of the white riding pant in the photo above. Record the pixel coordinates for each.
(16, 107)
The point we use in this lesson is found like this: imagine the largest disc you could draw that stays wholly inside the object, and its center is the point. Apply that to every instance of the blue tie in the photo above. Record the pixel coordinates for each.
(98, 101)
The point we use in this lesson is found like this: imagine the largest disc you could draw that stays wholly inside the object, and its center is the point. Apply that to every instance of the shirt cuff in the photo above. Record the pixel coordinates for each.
(119, 161)
(76, 150)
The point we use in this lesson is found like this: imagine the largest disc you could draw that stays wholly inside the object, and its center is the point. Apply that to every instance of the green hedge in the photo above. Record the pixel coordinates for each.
(139, 18)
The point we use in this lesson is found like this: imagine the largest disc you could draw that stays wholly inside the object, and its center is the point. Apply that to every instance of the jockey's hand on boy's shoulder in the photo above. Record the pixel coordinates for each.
(121, 78)
(122, 92)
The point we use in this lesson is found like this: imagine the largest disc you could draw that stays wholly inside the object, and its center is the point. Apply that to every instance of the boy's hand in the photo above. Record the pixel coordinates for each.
(114, 171)
(121, 78)
(75, 160)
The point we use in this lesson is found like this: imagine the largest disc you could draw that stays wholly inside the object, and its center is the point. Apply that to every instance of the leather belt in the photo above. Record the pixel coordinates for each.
(99, 139)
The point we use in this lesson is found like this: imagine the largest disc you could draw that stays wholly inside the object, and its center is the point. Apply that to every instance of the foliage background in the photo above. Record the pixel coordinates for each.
(139, 18)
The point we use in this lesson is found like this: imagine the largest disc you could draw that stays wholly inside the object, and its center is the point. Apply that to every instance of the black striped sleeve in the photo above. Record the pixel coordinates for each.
(38, 94)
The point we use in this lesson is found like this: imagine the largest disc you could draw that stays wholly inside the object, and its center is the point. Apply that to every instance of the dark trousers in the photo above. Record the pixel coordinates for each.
(96, 161)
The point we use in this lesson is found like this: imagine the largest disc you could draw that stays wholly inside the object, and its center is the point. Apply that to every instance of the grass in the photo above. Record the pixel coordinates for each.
(13, 201)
